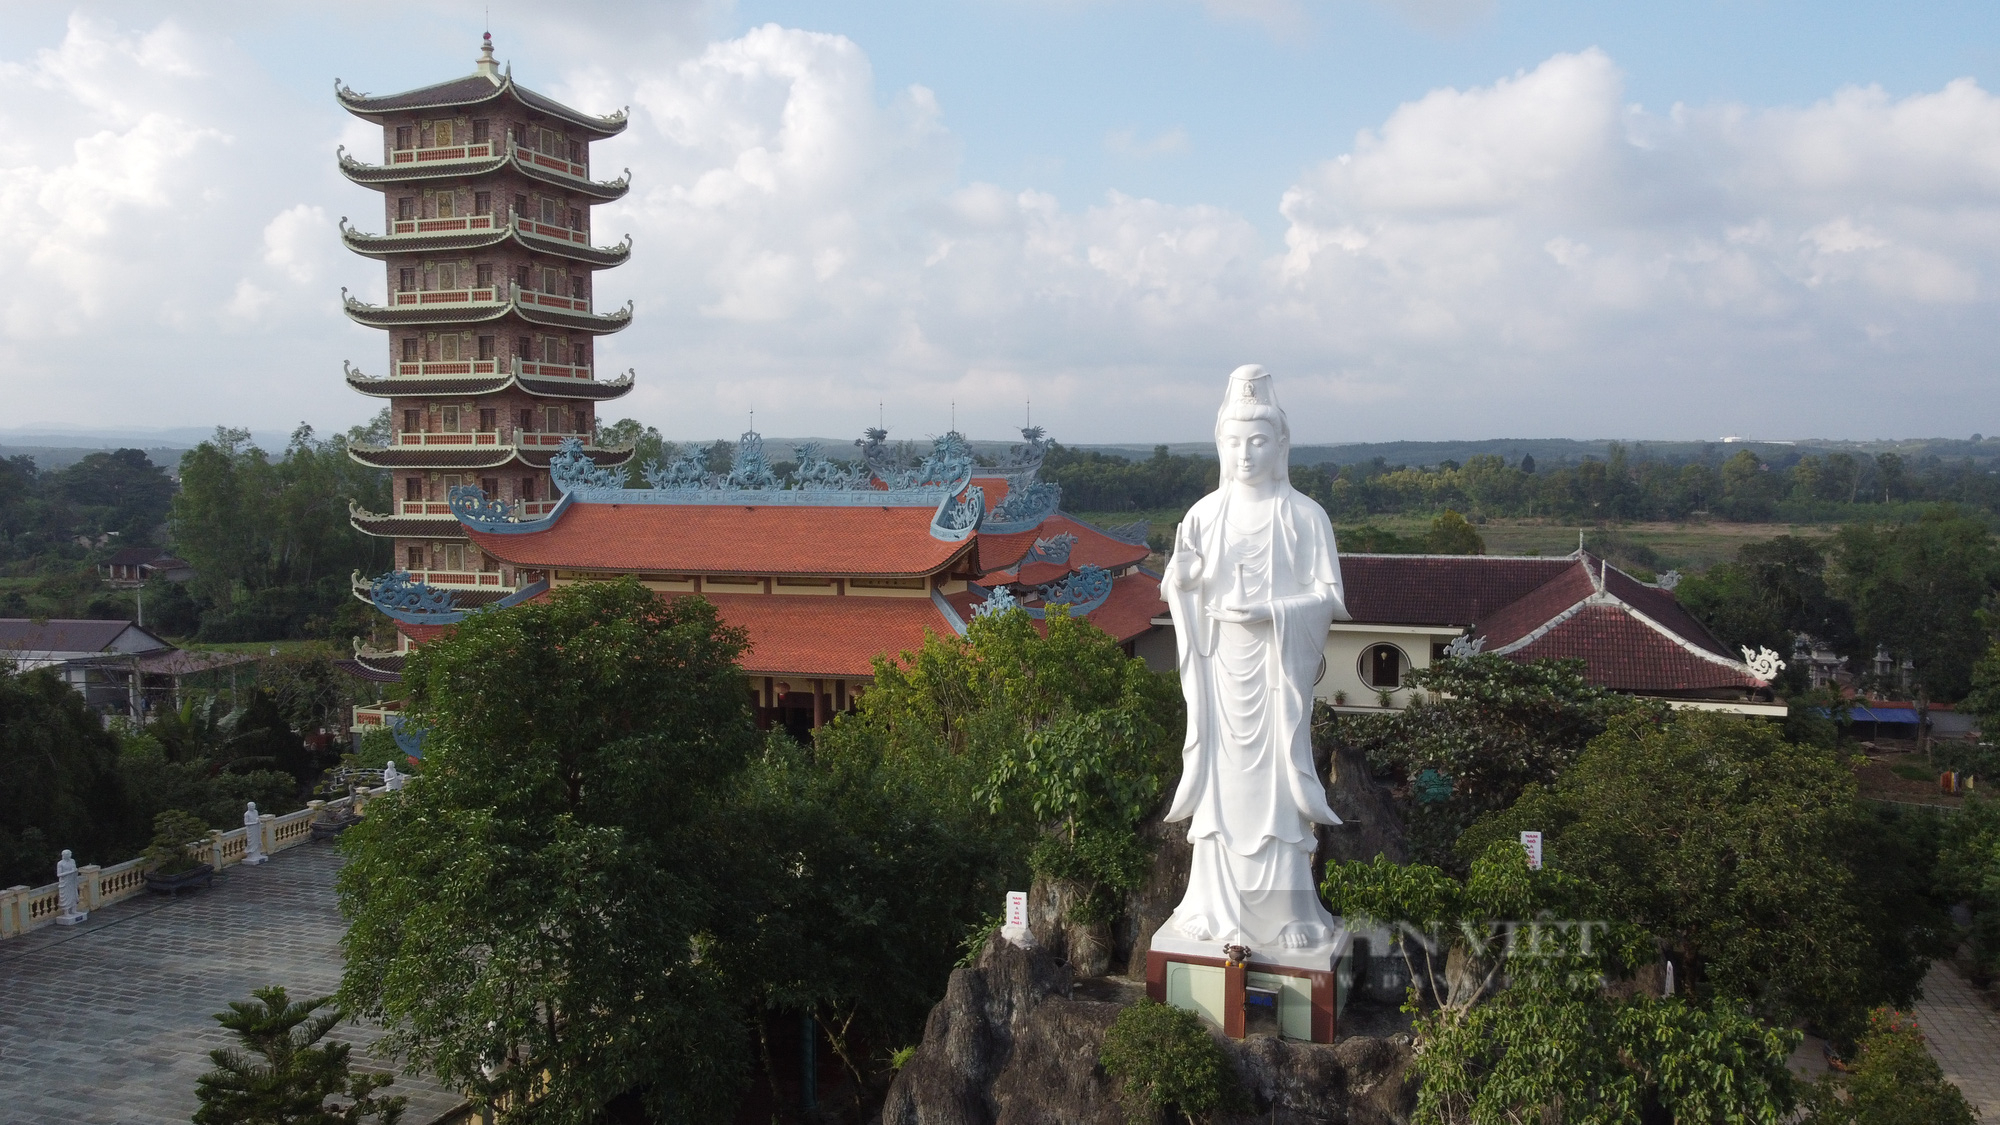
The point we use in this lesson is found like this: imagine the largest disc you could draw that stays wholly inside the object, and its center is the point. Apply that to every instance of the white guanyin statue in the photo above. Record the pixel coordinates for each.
(1253, 585)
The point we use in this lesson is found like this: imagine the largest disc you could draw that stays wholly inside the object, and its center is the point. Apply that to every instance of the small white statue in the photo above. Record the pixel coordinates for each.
(66, 892)
(391, 779)
(1253, 586)
(253, 836)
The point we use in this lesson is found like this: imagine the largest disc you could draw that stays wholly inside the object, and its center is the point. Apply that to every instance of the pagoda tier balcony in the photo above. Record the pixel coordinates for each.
(416, 508)
(461, 579)
(479, 306)
(482, 441)
(479, 232)
(487, 376)
(469, 161)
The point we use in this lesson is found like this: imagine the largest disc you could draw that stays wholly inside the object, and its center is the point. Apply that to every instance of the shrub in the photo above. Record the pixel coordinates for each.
(1894, 1082)
(292, 1076)
(175, 833)
(1167, 1059)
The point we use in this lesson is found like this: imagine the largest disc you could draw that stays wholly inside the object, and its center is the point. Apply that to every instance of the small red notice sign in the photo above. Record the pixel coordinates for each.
(1017, 908)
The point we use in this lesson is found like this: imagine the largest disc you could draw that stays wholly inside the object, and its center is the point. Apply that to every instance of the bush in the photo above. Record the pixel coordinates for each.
(175, 833)
(292, 1076)
(1166, 1058)
(1894, 1082)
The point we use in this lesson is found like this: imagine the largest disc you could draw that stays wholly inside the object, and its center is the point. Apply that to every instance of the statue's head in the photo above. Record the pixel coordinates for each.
(1252, 438)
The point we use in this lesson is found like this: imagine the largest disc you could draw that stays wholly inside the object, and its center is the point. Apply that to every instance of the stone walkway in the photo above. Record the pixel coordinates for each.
(112, 1021)
(1963, 1033)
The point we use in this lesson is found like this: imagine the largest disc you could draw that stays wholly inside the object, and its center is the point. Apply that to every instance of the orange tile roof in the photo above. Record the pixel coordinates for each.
(1093, 548)
(732, 539)
(801, 635)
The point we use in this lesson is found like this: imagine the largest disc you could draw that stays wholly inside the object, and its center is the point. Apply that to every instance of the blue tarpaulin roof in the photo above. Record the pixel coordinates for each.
(1862, 714)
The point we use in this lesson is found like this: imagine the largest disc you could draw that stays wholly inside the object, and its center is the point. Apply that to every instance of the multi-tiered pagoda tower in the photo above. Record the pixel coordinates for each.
(491, 315)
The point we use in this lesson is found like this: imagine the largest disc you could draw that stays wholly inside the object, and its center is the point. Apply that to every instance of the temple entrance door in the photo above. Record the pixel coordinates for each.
(795, 712)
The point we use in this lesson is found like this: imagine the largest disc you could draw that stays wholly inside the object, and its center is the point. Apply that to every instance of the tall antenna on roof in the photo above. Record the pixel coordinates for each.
(753, 419)
(954, 415)
(1030, 420)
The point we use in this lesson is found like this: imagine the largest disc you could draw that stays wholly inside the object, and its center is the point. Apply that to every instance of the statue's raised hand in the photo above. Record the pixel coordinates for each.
(1240, 614)
(1186, 565)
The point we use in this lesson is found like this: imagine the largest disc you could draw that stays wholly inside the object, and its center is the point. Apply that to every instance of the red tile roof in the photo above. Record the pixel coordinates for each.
(1001, 553)
(803, 635)
(1439, 589)
(1536, 608)
(1625, 654)
(732, 539)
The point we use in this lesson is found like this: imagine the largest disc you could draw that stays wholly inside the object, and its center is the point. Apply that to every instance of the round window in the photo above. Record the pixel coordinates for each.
(1382, 667)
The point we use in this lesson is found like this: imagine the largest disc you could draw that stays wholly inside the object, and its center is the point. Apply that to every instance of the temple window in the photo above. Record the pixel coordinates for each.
(447, 274)
(1382, 667)
(581, 418)
(486, 342)
(442, 134)
(451, 412)
(576, 218)
(480, 131)
(409, 350)
(576, 287)
(406, 207)
(520, 206)
(524, 277)
(552, 210)
(552, 281)
(524, 348)
(447, 204)
(406, 279)
(488, 421)
(527, 487)
(490, 486)
(413, 558)
(454, 557)
(527, 424)
(483, 278)
(413, 489)
(482, 203)
(576, 152)
(555, 419)
(552, 350)
(404, 136)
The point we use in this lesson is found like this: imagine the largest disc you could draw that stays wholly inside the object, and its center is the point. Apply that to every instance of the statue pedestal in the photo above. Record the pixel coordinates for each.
(1304, 989)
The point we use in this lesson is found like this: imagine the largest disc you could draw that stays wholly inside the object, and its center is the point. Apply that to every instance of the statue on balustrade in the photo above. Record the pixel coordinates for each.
(67, 913)
(1252, 587)
(253, 836)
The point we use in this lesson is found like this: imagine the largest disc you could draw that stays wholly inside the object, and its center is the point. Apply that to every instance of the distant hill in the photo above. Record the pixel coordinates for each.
(1549, 452)
(50, 458)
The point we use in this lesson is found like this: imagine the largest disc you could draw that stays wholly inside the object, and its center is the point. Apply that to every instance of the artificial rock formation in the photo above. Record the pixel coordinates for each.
(1016, 1037)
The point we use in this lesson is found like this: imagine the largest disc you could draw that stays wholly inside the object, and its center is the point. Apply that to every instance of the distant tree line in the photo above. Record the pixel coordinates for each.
(1628, 484)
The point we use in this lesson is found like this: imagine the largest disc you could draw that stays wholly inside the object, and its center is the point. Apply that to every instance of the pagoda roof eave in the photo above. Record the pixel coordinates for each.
(404, 527)
(604, 191)
(385, 246)
(489, 457)
(389, 175)
(474, 90)
(391, 316)
(588, 390)
(601, 324)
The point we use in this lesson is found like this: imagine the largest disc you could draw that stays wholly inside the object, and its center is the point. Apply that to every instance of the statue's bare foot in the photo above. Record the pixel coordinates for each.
(1303, 935)
(1197, 927)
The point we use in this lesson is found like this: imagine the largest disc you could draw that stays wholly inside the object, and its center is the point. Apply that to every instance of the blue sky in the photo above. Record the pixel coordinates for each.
(1430, 218)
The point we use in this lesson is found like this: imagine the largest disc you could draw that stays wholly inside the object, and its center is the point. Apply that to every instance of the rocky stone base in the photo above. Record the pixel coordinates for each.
(1015, 1042)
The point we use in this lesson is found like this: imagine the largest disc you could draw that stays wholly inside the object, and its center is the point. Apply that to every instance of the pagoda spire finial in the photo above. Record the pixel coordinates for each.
(488, 67)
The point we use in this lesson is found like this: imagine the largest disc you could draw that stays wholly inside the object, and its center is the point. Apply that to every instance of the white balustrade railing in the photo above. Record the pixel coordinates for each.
(24, 909)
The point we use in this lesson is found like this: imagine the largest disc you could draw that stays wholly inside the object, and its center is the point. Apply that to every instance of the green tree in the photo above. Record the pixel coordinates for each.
(1731, 847)
(60, 786)
(1514, 1020)
(120, 491)
(1772, 592)
(1480, 730)
(648, 447)
(1968, 871)
(287, 1077)
(1917, 590)
(543, 901)
(1451, 535)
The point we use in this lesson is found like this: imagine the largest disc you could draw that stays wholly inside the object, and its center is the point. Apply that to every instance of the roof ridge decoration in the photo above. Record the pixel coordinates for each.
(570, 470)
(1763, 664)
(1029, 499)
(1082, 591)
(1054, 549)
(405, 598)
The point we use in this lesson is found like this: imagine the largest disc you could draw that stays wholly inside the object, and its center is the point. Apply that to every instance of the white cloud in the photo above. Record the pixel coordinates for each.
(1531, 256)
(1128, 142)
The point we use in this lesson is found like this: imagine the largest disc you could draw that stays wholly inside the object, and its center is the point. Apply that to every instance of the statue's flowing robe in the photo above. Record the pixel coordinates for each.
(1248, 788)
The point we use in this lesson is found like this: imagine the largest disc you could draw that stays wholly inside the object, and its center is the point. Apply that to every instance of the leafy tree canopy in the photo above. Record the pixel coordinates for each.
(1917, 590)
(542, 905)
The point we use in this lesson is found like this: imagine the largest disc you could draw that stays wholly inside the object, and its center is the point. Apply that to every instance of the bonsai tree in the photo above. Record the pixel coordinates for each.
(175, 833)
(287, 1076)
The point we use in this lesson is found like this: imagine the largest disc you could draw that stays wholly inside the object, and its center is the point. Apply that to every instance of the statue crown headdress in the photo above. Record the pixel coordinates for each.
(1250, 385)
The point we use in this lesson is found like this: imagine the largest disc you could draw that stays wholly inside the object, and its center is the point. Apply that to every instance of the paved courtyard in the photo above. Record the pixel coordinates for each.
(111, 1021)
(1963, 1032)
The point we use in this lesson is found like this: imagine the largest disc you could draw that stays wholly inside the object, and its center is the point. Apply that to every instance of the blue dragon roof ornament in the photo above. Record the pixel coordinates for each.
(571, 470)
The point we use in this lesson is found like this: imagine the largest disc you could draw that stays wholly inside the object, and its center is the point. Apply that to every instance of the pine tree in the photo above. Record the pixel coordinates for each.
(292, 1076)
